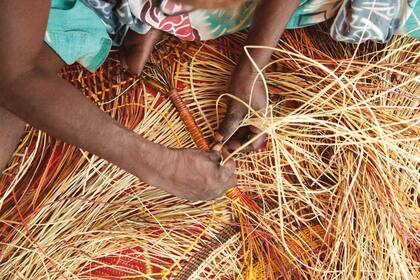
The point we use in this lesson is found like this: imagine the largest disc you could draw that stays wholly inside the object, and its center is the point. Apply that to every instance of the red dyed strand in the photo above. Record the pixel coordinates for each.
(189, 121)
(201, 142)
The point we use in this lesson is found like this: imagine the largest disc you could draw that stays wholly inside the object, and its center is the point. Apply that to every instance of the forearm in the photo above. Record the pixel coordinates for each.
(52, 105)
(270, 20)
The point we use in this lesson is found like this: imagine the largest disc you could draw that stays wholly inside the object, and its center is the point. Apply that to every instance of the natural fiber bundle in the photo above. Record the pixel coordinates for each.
(337, 182)
(89, 213)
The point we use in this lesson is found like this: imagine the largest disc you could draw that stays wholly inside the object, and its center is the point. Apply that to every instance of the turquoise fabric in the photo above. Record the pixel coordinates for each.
(77, 34)
(412, 25)
(311, 12)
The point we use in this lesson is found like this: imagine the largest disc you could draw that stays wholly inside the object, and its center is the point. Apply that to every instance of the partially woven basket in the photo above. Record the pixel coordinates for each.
(336, 185)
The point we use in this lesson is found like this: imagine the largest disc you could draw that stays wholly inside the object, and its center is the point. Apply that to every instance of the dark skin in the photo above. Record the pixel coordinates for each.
(137, 49)
(32, 93)
(270, 21)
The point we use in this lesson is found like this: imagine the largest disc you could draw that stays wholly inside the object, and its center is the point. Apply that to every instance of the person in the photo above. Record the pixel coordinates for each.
(38, 37)
(32, 92)
(136, 25)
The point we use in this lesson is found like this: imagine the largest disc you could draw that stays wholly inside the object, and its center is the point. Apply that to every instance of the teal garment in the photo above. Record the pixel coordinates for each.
(77, 34)
(412, 25)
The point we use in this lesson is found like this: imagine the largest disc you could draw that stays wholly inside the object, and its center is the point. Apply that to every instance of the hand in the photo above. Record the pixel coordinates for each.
(195, 175)
(137, 49)
(242, 86)
(270, 20)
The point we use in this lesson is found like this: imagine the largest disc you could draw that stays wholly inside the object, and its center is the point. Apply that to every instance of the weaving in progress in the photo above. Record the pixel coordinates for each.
(209, 140)
(332, 194)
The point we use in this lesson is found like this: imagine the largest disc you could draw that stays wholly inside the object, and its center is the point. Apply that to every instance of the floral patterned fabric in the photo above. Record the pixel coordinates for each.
(399, 16)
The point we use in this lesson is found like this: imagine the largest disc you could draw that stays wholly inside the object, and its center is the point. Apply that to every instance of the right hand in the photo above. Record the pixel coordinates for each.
(195, 175)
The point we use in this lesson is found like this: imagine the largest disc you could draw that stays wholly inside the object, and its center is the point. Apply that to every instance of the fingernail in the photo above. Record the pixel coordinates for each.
(217, 147)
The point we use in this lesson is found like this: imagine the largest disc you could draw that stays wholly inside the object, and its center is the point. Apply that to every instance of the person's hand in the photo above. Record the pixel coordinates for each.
(270, 20)
(137, 49)
(242, 86)
(194, 175)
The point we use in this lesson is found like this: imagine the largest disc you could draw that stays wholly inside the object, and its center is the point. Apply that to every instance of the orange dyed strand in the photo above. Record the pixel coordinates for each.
(189, 122)
(201, 142)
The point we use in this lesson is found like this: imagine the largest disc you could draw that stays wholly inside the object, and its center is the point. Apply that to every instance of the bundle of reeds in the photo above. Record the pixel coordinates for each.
(336, 185)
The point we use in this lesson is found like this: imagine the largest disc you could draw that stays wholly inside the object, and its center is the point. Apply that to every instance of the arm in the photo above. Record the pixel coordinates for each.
(270, 20)
(39, 97)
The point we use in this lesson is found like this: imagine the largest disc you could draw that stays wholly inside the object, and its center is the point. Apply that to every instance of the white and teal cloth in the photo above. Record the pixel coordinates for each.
(76, 33)
(77, 28)
(355, 20)
(377, 20)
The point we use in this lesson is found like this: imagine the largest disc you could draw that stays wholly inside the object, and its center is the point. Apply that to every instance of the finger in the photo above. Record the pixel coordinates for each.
(225, 153)
(217, 147)
(228, 169)
(233, 145)
(230, 165)
(230, 183)
(231, 122)
(259, 142)
(214, 156)
(256, 143)
(218, 138)
(235, 142)
(217, 144)
(233, 181)
(240, 133)
(255, 129)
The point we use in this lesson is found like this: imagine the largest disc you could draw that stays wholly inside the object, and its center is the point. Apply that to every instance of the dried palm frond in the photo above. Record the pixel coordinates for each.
(342, 157)
(337, 183)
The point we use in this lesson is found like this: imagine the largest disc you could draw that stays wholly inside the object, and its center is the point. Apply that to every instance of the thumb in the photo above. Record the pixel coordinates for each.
(214, 156)
(228, 169)
(231, 123)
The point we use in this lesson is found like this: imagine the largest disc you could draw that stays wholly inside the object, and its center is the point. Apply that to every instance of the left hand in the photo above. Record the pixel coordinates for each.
(270, 20)
(242, 86)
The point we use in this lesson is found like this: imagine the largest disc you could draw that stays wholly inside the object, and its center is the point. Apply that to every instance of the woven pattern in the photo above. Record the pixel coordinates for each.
(336, 184)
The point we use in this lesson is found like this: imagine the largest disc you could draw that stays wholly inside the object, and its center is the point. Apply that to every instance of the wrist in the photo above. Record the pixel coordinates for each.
(253, 65)
(244, 74)
(148, 159)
